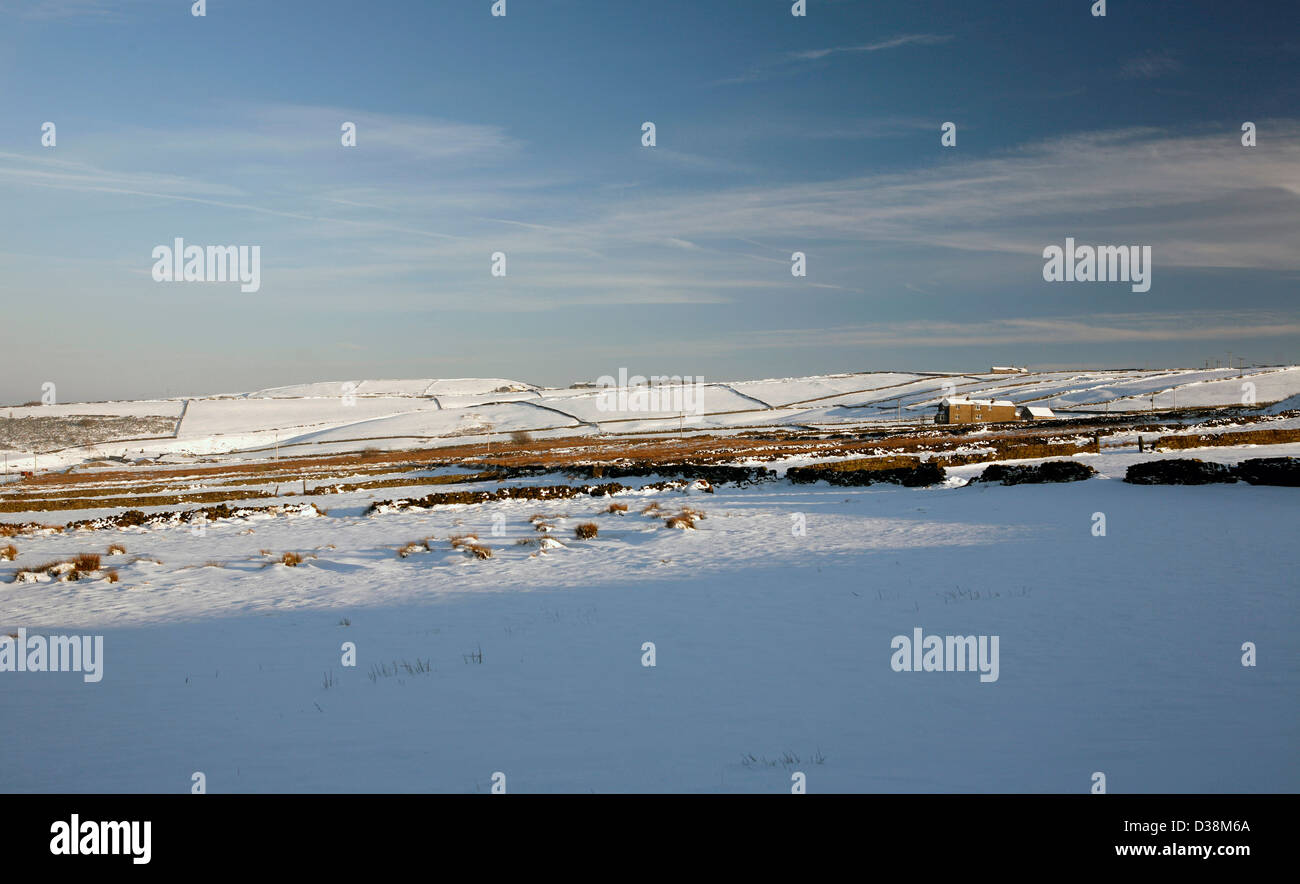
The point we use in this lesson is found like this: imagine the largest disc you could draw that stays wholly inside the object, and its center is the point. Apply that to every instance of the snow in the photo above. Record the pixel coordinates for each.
(1118, 653)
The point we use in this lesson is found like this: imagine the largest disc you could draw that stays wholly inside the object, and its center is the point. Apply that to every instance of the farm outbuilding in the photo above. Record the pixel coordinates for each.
(1035, 413)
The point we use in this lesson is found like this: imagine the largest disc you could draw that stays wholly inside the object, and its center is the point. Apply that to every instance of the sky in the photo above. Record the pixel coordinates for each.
(522, 134)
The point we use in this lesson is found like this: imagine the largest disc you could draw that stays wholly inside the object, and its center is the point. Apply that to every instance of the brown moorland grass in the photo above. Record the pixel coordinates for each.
(586, 531)
(141, 485)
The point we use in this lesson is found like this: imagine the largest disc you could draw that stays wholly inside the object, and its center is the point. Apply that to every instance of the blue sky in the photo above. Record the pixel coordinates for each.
(522, 134)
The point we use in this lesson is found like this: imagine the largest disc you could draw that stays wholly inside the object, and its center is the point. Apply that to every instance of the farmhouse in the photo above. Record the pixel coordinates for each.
(960, 410)
(1035, 413)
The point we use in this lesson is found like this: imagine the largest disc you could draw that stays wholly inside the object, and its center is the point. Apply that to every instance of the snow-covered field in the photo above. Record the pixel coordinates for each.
(1118, 653)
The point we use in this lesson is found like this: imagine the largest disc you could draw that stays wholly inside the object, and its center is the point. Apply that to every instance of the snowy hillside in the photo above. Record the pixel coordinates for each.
(336, 416)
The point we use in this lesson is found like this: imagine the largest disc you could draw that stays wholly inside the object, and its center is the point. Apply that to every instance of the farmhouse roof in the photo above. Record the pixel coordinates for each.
(962, 400)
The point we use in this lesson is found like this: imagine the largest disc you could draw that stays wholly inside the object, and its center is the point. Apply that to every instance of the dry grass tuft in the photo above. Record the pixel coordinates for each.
(617, 508)
(9, 553)
(413, 547)
(86, 562)
(684, 520)
(111, 576)
(292, 559)
(116, 549)
(586, 531)
(479, 550)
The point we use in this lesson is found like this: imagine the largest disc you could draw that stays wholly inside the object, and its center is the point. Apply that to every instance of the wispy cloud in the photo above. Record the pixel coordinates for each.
(891, 43)
(46, 10)
(1199, 200)
(1092, 329)
(793, 62)
(1150, 66)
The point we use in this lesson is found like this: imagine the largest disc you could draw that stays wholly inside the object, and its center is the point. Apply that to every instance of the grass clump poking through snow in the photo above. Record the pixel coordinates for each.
(685, 519)
(111, 576)
(116, 549)
(469, 543)
(586, 531)
(292, 559)
(84, 565)
(413, 547)
(8, 553)
(617, 508)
